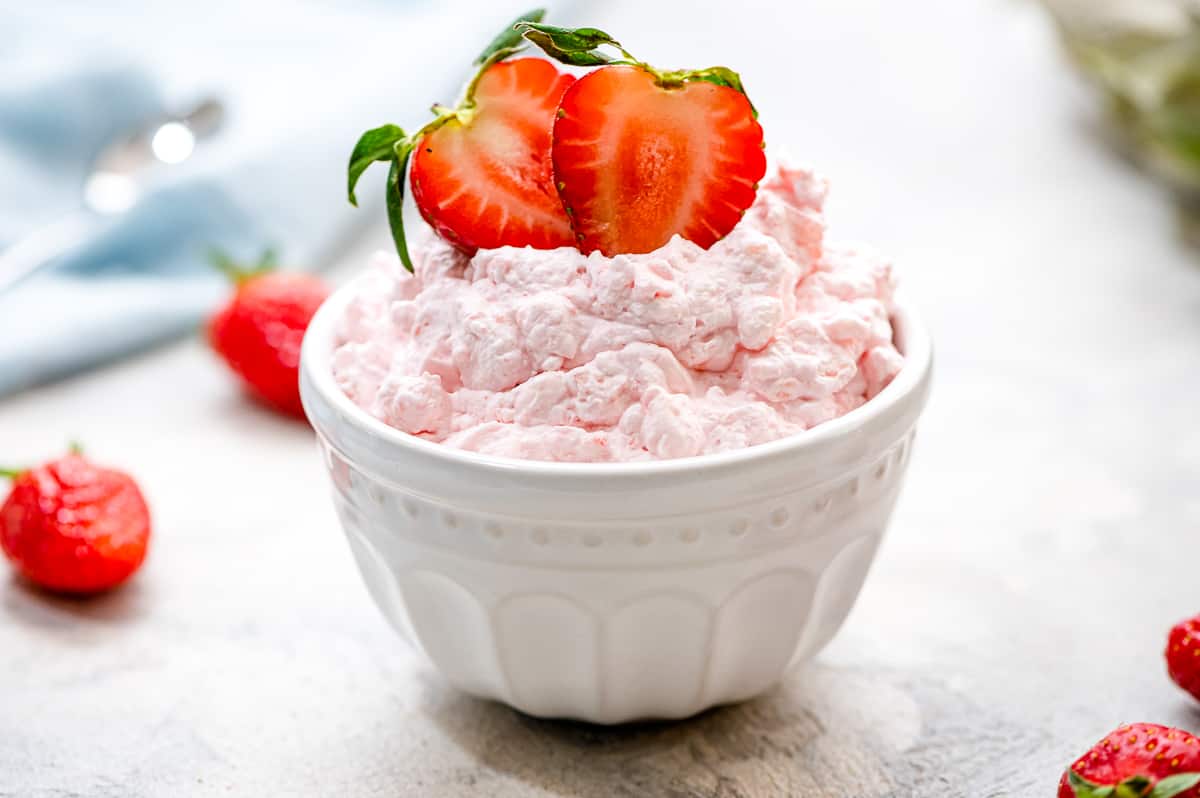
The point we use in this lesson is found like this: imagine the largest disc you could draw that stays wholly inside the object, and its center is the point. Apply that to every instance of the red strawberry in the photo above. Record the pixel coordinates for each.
(482, 179)
(481, 173)
(1183, 655)
(74, 527)
(638, 160)
(1142, 760)
(259, 331)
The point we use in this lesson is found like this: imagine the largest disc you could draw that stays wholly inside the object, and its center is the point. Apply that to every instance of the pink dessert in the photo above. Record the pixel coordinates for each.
(557, 355)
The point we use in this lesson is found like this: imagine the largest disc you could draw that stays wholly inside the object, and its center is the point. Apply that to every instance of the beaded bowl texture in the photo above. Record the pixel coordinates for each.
(612, 592)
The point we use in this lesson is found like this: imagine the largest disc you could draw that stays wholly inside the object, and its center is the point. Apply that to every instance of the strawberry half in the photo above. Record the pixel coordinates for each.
(641, 154)
(637, 162)
(482, 180)
(481, 172)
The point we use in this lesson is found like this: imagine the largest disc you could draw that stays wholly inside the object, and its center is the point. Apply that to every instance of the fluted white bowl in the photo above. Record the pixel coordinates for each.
(611, 592)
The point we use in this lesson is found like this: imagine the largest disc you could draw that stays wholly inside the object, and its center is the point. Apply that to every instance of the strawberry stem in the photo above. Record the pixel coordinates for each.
(468, 101)
(236, 272)
(10, 473)
(395, 205)
(581, 47)
(510, 36)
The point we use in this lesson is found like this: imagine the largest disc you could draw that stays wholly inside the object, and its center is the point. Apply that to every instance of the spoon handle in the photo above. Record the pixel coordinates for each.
(41, 247)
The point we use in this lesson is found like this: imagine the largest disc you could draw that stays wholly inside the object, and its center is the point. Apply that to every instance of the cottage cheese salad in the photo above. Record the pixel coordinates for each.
(615, 276)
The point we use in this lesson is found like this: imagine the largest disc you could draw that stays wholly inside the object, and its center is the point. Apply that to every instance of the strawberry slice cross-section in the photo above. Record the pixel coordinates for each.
(643, 154)
(637, 162)
(483, 179)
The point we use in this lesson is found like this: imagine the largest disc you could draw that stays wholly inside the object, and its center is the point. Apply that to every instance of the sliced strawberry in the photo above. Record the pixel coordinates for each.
(483, 179)
(638, 162)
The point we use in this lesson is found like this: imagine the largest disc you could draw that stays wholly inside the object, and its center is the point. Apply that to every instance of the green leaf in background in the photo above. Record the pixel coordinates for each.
(1150, 77)
(395, 200)
(375, 145)
(510, 37)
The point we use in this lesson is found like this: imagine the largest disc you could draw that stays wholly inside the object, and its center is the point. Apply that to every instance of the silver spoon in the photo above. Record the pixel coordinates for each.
(112, 187)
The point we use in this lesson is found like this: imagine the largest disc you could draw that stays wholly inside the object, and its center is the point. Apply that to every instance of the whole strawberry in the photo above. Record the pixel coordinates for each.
(1183, 655)
(1141, 760)
(74, 527)
(258, 333)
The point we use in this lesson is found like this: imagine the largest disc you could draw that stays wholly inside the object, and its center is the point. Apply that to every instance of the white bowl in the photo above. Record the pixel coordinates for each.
(610, 592)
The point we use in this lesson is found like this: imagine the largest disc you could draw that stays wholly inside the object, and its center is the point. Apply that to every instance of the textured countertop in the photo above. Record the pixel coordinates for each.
(1046, 539)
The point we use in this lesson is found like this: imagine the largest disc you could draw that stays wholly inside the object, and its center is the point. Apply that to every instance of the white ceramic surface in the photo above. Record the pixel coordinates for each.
(613, 592)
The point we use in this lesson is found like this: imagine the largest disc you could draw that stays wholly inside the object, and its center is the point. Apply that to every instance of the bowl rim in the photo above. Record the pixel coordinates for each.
(316, 369)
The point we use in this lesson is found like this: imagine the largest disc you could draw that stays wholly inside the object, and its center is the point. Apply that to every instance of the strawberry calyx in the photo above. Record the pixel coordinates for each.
(582, 47)
(1134, 786)
(74, 447)
(390, 144)
(238, 273)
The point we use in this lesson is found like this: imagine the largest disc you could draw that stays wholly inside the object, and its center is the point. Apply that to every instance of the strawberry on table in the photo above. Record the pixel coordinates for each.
(642, 154)
(74, 527)
(1141, 760)
(1183, 655)
(259, 331)
(481, 173)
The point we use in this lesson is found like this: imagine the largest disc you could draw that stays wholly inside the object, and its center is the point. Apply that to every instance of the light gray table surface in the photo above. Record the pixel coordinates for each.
(1046, 539)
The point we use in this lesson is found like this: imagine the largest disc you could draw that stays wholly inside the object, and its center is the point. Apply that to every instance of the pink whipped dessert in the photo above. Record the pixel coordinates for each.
(557, 355)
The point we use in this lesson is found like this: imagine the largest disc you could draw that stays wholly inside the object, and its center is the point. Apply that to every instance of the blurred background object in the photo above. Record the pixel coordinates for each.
(1144, 55)
(113, 185)
(113, 264)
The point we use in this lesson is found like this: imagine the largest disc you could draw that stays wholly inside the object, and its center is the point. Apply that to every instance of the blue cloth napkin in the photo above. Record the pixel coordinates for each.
(299, 82)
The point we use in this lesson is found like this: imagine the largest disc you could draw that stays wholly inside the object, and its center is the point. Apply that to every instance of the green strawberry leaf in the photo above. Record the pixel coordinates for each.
(510, 37)
(1133, 787)
(721, 76)
(374, 145)
(395, 200)
(572, 46)
(568, 39)
(580, 47)
(1086, 789)
(1174, 785)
